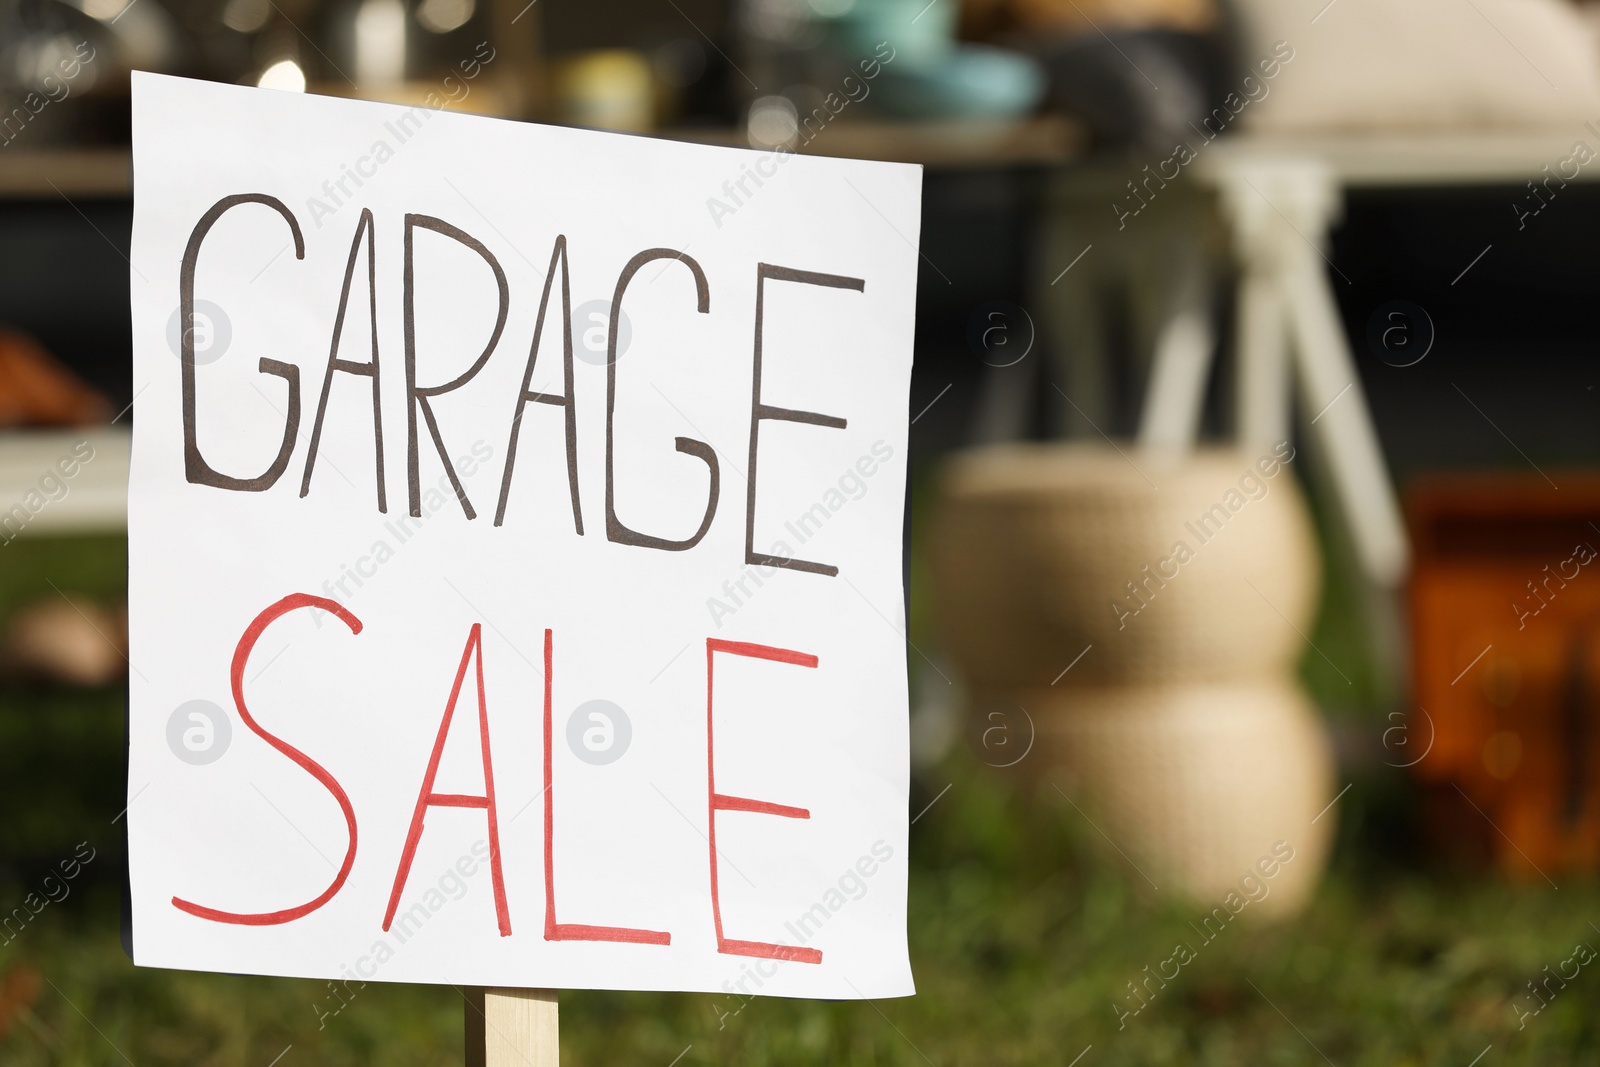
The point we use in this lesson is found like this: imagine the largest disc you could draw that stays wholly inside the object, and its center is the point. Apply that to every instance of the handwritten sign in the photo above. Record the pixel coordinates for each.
(515, 552)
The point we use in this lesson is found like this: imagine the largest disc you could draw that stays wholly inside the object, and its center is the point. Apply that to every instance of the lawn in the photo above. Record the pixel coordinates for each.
(1025, 928)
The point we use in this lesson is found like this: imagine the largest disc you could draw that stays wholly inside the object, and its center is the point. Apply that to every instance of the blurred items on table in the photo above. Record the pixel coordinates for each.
(769, 66)
(1142, 74)
(1139, 73)
(73, 58)
(1380, 66)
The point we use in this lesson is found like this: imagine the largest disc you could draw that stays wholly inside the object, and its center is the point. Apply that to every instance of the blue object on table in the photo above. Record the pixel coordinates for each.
(917, 31)
(966, 81)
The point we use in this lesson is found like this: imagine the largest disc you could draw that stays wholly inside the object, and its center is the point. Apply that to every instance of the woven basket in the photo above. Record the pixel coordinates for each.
(1195, 783)
(1034, 544)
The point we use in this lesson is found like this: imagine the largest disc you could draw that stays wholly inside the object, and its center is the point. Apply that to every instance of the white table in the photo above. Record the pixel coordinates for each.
(1268, 203)
(1280, 198)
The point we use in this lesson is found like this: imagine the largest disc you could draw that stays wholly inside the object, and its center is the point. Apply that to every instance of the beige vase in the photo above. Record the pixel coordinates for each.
(1197, 783)
(1146, 612)
(1173, 567)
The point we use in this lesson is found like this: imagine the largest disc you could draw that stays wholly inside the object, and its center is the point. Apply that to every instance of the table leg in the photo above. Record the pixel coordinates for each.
(1336, 407)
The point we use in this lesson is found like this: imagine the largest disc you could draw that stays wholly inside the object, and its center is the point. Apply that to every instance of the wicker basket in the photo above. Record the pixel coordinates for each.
(1034, 544)
(1196, 783)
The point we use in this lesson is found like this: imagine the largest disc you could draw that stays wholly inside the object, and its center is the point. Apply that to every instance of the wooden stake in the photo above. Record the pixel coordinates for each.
(512, 1028)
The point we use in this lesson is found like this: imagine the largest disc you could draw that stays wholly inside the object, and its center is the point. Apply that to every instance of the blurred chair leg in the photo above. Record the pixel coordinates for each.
(1336, 407)
(1081, 259)
(1262, 385)
(1078, 393)
(1181, 361)
(1005, 403)
(1279, 210)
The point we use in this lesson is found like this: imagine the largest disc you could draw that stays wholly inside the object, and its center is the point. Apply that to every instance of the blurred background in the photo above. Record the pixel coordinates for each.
(1254, 642)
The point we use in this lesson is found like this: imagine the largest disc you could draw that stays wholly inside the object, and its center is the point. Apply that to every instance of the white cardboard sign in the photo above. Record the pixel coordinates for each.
(515, 552)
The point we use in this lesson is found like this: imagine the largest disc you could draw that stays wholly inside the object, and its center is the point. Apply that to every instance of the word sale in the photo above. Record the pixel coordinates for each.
(783, 660)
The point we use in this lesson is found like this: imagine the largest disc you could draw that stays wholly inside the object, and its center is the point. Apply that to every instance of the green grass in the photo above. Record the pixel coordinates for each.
(33, 567)
(1025, 927)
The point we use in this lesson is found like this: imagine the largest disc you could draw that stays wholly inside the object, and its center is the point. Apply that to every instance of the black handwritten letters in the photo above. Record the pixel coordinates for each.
(419, 395)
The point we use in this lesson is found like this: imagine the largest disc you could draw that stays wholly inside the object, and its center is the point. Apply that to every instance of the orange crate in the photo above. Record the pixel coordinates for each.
(1505, 609)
